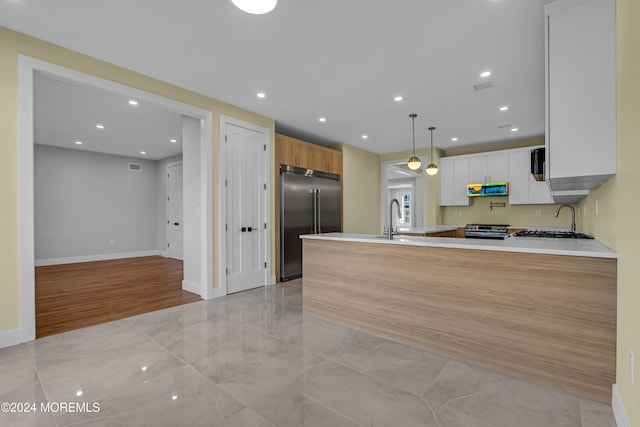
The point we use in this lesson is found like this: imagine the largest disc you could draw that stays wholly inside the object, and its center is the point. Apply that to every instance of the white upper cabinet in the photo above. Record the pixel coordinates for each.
(492, 167)
(453, 181)
(581, 93)
(523, 188)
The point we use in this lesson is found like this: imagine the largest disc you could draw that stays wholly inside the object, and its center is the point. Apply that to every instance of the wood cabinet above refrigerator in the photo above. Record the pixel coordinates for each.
(302, 154)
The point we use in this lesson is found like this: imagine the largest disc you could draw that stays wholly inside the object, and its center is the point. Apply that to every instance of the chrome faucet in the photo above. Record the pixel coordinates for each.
(391, 202)
(573, 215)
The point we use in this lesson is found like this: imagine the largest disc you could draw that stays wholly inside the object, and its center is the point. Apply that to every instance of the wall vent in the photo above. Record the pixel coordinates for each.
(482, 86)
(135, 167)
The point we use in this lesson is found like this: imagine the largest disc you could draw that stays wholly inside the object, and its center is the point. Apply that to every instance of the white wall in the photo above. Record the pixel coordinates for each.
(83, 200)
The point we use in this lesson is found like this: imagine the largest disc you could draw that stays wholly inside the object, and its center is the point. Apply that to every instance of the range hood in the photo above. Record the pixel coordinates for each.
(489, 189)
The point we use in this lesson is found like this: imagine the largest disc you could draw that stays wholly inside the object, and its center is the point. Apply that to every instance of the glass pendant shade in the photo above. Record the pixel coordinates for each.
(432, 169)
(256, 7)
(414, 162)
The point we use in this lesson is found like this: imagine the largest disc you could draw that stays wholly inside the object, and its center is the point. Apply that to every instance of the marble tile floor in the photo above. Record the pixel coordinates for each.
(253, 359)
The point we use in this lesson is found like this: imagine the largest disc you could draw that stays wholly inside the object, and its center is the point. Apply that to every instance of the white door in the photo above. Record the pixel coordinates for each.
(175, 245)
(246, 182)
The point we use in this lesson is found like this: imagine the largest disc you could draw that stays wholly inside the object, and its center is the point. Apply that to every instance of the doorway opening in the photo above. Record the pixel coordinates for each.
(197, 276)
(406, 185)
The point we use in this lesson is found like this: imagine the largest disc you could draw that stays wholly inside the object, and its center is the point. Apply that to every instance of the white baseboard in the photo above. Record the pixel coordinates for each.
(618, 408)
(192, 287)
(9, 338)
(89, 258)
(163, 254)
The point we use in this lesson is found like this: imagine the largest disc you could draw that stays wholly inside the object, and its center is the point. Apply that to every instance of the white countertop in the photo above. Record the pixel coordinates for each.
(537, 245)
(423, 230)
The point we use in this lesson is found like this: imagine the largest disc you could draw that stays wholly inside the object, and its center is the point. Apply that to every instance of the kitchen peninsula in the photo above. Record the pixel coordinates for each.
(540, 309)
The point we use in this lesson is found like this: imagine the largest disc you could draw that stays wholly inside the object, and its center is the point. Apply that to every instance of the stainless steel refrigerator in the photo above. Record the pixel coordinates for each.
(310, 203)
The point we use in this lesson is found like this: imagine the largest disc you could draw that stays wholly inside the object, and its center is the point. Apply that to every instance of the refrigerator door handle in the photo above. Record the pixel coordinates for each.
(315, 211)
(319, 210)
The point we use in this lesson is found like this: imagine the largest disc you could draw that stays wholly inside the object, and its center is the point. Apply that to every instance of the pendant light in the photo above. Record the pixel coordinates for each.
(256, 7)
(432, 169)
(414, 162)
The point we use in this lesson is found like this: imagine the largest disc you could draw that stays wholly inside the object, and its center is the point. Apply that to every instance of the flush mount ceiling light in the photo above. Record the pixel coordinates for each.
(454, 139)
(365, 136)
(133, 102)
(414, 162)
(432, 169)
(99, 126)
(255, 7)
(261, 95)
(504, 108)
(322, 119)
(485, 74)
(173, 140)
(78, 142)
(398, 98)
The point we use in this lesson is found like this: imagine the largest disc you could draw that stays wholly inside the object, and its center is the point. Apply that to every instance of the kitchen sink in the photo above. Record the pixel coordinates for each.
(552, 234)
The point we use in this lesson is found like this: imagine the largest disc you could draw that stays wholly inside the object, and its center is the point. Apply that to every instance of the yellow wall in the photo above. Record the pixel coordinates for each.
(619, 205)
(516, 215)
(361, 190)
(11, 45)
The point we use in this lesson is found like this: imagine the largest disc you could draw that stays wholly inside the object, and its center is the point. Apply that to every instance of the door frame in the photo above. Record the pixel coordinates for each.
(27, 67)
(168, 226)
(224, 120)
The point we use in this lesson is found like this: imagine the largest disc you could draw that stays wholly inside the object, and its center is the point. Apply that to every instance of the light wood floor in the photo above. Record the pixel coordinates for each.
(73, 296)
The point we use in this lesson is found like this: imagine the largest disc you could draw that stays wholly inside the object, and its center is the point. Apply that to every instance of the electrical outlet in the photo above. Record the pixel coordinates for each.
(538, 212)
(455, 212)
(461, 212)
(631, 367)
(596, 208)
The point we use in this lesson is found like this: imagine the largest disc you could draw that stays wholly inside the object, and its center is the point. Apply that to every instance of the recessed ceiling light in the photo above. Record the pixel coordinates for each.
(133, 102)
(261, 95)
(322, 119)
(173, 140)
(365, 136)
(485, 74)
(174, 397)
(78, 142)
(398, 98)
(99, 126)
(143, 152)
(454, 139)
(514, 129)
(79, 393)
(504, 108)
(256, 7)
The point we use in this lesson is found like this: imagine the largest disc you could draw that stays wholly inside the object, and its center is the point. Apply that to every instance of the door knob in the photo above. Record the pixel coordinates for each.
(243, 229)
(176, 223)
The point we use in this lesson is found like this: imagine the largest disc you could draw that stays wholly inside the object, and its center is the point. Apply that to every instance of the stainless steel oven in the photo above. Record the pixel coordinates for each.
(486, 231)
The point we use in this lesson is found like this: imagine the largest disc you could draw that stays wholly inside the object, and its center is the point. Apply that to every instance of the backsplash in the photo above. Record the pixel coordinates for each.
(519, 215)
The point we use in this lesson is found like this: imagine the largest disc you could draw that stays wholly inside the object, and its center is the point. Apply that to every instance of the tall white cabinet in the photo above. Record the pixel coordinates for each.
(581, 93)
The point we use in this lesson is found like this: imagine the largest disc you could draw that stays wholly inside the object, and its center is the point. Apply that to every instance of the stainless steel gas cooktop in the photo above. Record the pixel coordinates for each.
(552, 234)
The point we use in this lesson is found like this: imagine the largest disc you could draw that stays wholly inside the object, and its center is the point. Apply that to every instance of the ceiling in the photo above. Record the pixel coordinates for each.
(342, 60)
(65, 114)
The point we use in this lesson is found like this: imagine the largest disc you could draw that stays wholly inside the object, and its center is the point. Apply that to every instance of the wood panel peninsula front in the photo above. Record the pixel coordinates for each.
(540, 309)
